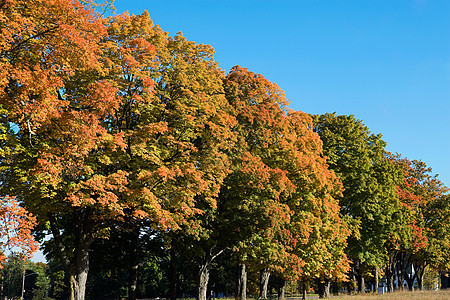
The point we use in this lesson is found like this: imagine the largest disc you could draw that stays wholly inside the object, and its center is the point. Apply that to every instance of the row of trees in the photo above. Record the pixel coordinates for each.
(113, 132)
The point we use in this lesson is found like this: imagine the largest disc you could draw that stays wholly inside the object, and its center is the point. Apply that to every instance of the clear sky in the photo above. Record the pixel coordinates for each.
(385, 61)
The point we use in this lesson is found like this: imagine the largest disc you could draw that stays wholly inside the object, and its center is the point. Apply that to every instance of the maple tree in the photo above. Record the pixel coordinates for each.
(131, 124)
(16, 225)
(112, 123)
(257, 185)
(280, 184)
(370, 180)
(43, 44)
(421, 194)
(178, 130)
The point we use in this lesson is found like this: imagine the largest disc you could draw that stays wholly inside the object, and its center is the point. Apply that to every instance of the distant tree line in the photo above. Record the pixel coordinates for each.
(152, 173)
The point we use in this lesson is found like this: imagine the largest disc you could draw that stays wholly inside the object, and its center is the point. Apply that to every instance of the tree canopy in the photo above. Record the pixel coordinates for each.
(112, 130)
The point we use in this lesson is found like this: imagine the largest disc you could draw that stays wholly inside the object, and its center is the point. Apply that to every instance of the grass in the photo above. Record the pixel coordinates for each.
(416, 295)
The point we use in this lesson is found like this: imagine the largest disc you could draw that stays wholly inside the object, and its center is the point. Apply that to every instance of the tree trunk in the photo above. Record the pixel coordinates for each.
(400, 278)
(349, 287)
(361, 284)
(264, 284)
(173, 275)
(376, 281)
(76, 266)
(134, 263)
(303, 290)
(205, 269)
(410, 282)
(390, 282)
(390, 273)
(324, 288)
(78, 272)
(420, 273)
(242, 283)
(358, 270)
(420, 282)
(445, 279)
(282, 289)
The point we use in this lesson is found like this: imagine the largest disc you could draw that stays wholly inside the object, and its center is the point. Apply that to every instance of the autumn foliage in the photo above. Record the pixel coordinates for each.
(16, 226)
(109, 124)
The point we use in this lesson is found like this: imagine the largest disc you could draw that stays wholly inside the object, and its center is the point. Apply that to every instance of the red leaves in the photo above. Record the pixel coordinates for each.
(419, 240)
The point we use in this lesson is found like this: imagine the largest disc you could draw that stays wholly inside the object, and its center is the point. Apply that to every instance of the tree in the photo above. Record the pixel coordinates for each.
(369, 199)
(19, 275)
(437, 219)
(139, 127)
(178, 149)
(16, 225)
(280, 185)
(421, 194)
(43, 43)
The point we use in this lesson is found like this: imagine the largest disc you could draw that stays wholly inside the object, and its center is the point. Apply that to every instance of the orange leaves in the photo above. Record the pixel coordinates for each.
(16, 225)
(419, 240)
(43, 42)
(102, 98)
(101, 191)
(119, 119)
(281, 172)
(260, 176)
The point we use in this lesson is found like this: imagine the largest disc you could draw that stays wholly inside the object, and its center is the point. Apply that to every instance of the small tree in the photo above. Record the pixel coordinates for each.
(16, 225)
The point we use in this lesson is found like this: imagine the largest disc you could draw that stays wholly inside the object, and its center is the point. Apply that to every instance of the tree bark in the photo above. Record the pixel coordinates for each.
(400, 278)
(420, 282)
(376, 281)
(173, 275)
(134, 263)
(358, 270)
(282, 289)
(264, 284)
(77, 264)
(303, 290)
(390, 273)
(361, 284)
(324, 288)
(205, 269)
(242, 283)
(403, 261)
(420, 274)
(410, 282)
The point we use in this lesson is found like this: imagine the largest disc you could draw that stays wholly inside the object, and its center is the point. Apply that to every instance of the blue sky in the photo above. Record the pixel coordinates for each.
(386, 62)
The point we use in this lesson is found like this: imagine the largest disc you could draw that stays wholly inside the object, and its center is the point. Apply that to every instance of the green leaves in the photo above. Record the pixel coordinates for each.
(369, 179)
